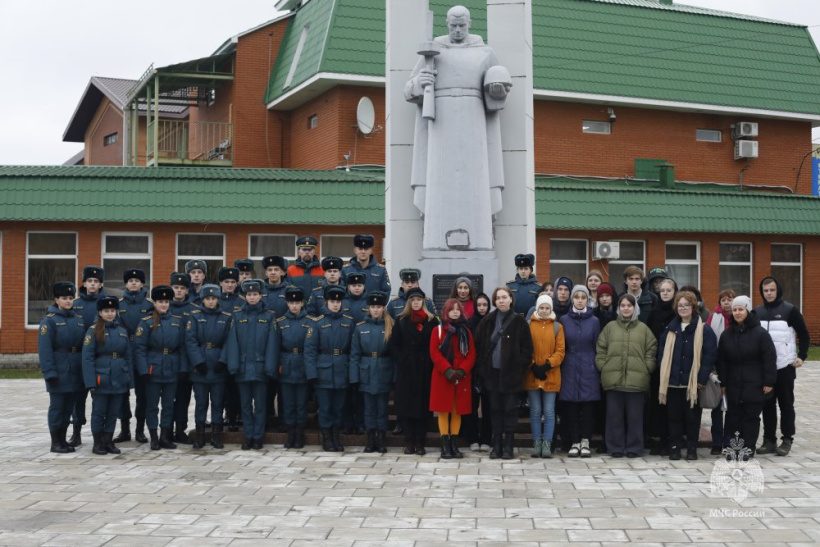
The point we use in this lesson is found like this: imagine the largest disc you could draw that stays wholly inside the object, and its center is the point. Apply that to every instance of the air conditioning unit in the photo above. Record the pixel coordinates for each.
(745, 129)
(606, 250)
(745, 149)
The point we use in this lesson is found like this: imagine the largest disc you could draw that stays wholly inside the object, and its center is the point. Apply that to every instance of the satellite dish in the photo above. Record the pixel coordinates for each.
(365, 116)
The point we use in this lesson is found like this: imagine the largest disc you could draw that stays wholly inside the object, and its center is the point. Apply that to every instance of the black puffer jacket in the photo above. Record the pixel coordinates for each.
(516, 354)
(411, 349)
(747, 361)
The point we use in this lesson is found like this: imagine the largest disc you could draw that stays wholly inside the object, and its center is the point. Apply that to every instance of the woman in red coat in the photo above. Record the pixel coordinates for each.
(453, 353)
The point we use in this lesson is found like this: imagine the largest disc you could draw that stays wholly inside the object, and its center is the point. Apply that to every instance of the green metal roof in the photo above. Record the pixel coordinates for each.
(190, 194)
(629, 48)
(282, 196)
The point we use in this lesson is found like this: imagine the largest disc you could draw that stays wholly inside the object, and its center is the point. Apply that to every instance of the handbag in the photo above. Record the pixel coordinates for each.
(709, 396)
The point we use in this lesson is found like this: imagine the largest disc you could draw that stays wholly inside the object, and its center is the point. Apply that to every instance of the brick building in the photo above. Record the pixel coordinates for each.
(682, 133)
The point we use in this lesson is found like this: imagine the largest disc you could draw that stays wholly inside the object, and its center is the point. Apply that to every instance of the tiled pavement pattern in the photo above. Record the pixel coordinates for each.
(278, 497)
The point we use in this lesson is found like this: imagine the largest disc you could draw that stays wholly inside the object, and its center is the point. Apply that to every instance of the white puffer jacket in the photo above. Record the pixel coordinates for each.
(784, 340)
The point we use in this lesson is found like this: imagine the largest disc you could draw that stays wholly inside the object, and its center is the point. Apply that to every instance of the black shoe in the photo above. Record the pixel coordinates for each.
(381, 446)
(456, 453)
(398, 430)
(495, 453)
(125, 432)
(199, 440)
(509, 441)
(327, 440)
(216, 437)
(181, 437)
(617, 454)
(691, 454)
(408, 450)
(299, 440)
(110, 447)
(139, 432)
(421, 451)
(246, 444)
(257, 444)
(76, 439)
(370, 447)
(445, 448)
(154, 439)
(63, 441)
(56, 445)
(716, 451)
(337, 441)
(632, 455)
(165, 439)
(99, 444)
(674, 453)
(291, 438)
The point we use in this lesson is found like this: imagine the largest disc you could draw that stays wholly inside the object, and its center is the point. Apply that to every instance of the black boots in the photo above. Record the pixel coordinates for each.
(446, 454)
(139, 432)
(299, 438)
(99, 444)
(125, 432)
(75, 439)
(199, 440)
(166, 439)
(495, 453)
(63, 442)
(216, 437)
(56, 445)
(291, 440)
(509, 439)
(381, 447)
(108, 443)
(154, 439)
(327, 440)
(337, 441)
(454, 451)
(370, 447)
(181, 437)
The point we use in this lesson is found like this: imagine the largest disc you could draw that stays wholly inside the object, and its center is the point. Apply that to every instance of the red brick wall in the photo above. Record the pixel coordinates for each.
(317, 148)
(107, 120)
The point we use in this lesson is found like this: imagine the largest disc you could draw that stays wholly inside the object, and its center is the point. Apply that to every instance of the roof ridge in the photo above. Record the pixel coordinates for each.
(686, 8)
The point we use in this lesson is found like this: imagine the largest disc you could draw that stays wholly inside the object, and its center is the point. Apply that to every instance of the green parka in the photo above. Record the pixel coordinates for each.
(626, 355)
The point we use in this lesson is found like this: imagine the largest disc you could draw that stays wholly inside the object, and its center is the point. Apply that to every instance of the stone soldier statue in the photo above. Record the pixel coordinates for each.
(457, 174)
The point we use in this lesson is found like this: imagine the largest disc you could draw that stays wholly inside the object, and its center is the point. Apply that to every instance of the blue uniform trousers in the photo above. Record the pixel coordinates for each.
(375, 410)
(78, 414)
(354, 409)
(105, 407)
(205, 393)
(294, 401)
(253, 397)
(60, 406)
(331, 406)
(154, 393)
(182, 401)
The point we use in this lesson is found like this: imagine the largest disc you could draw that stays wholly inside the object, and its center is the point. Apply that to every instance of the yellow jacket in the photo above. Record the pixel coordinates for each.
(547, 349)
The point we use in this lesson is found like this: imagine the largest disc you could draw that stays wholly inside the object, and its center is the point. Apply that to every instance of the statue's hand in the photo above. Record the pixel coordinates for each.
(427, 77)
(498, 90)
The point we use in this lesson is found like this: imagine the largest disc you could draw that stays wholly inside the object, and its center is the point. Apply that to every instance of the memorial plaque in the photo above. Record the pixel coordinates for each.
(443, 284)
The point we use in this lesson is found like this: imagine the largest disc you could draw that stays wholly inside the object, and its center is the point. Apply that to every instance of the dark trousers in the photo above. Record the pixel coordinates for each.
(139, 401)
(294, 404)
(331, 406)
(78, 414)
(182, 402)
(580, 417)
(156, 393)
(503, 412)
(253, 397)
(415, 431)
(354, 409)
(375, 410)
(624, 421)
(478, 429)
(783, 398)
(718, 437)
(273, 401)
(104, 411)
(657, 422)
(744, 418)
(205, 394)
(60, 406)
(683, 419)
(232, 405)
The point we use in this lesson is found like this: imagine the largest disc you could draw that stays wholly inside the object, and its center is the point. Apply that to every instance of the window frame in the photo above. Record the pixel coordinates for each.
(697, 261)
(111, 138)
(642, 264)
(257, 260)
(750, 264)
(700, 131)
(322, 245)
(178, 257)
(562, 261)
(29, 256)
(125, 256)
(592, 123)
(792, 264)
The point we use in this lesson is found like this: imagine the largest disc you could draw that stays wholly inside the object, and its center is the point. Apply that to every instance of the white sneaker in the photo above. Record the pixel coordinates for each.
(485, 448)
(475, 447)
(575, 451)
(585, 452)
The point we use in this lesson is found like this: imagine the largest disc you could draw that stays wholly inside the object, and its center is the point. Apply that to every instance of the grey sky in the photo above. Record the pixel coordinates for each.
(55, 46)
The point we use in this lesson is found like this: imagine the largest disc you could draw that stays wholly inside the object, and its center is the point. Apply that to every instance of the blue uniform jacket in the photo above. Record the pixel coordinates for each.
(525, 292)
(327, 350)
(371, 365)
(683, 354)
(160, 352)
(205, 335)
(316, 298)
(133, 307)
(108, 368)
(274, 298)
(397, 304)
(252, 350)
(292, 331)
(356, 307)
(60, 344)
(183, 308)
(376, 278)
(231, 303)
(85, 305)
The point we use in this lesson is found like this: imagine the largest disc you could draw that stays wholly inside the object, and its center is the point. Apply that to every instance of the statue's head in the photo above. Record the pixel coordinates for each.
(458, 23)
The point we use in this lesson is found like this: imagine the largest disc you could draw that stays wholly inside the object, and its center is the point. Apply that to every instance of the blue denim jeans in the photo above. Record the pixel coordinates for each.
(542, 404)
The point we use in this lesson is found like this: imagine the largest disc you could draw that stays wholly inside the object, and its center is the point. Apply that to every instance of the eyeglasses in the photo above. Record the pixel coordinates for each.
(684, 306)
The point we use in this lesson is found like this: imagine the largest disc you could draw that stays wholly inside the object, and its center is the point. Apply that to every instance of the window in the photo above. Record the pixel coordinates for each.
(736, 267)
(50, 257)
(633, 253)
(262, 245)
(787, 268)
(601, 128)
(121, 251)
(683, 262)
(708, 135)
(207, 247)
(337, 245)
(313, 121)
(568, 257)
(110, 139)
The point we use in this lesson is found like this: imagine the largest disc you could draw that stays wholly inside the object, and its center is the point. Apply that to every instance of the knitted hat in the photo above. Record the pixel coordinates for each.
(744, 301)
(606, 288)
(563, 281)
(543, 299)
(577, 289)
(461, 280)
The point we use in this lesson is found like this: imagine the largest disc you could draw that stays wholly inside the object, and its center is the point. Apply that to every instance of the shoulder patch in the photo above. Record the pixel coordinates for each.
(196, 311)
(361, 323)
(510, 281)
(347, 316)
(146, 318)
(49, 315)
(317, 318)
(87, 340)
(43, 329)
(280, 319)
(226, 313)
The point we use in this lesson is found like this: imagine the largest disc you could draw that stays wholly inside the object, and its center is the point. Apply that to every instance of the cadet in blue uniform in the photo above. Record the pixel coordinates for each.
(355, 305)
(182, 305)
(197, 269)
(364, 262)
(205, 335)
(108, 371)
(161, 359)
(134, 305)
(245, 267)
(525, 287)
(373, 370)
(251, 354)
(327, 350)
(292, 329)
(332, 266)
(409, 280)
(305, 271)
(59, 345)
(229, 300)
(85, 305)
(274, 290)
(232, 405)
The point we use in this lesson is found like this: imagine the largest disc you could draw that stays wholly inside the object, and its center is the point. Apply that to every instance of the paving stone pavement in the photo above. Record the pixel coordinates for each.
(308, 497)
